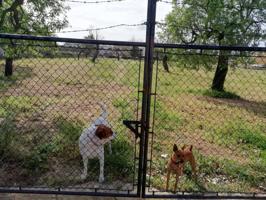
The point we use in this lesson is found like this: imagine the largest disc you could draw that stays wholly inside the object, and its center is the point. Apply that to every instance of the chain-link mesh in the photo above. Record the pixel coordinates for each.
(226, 127)
(54, 95)
(59, 94)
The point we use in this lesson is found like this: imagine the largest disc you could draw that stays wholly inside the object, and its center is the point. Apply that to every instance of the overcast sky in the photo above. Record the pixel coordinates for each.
(83, 16)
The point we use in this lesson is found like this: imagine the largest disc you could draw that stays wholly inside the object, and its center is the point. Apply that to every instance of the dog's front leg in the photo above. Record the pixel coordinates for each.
(193, 167)
(167, 179)
(101, 176)
(85, 168)
(176, 181)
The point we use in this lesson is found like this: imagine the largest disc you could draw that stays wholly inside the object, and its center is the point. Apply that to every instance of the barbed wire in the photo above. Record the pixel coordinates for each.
(93, 2)
(104, 28)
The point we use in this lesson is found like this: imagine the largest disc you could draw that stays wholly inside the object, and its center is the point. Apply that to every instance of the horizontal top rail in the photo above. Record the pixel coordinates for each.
(127, 43)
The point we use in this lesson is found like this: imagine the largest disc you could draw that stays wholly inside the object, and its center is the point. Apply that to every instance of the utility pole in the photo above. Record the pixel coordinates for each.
(147, 87)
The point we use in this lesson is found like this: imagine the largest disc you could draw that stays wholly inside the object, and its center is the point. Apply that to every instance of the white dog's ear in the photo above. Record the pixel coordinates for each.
(103, 132)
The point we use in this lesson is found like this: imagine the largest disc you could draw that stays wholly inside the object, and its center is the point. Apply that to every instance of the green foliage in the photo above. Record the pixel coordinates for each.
(66, 140)
(30, 17)
(7, 137)
(34, 16)
(219, 22)
(63, 144)
(121, 162)
(69, 129)
(37, 160)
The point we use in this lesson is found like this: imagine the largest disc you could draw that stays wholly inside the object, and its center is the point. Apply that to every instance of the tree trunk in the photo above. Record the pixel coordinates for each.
(221, 72)
(9, 67)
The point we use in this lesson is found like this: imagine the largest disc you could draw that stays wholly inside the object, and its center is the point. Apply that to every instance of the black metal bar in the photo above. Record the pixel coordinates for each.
(147, 87)
(207, 196)
(74, 193)
(69, 40)
(127, 43)
(129, 124)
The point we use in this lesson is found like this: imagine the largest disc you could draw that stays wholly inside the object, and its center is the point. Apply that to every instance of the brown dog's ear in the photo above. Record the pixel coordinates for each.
(191, 147)
(175, 147)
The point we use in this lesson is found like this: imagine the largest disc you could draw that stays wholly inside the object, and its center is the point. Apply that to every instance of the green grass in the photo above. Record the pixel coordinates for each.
(120, 163)
(229, 125)
(66, 139)
(18, 104)
(7, 138)
(240, 133)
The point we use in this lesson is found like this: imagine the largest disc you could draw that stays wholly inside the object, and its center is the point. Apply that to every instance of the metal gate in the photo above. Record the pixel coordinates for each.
(52, 92)
(225, 130)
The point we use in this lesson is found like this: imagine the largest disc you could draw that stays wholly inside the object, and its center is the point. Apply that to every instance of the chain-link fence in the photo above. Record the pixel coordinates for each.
(63, 103)
(212, 105)
(52, 105)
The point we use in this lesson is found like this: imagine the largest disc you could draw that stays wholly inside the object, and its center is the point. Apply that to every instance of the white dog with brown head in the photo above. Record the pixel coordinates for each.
(92, 140)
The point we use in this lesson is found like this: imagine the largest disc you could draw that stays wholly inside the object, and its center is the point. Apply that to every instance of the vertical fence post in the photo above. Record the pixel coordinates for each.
(146, 99)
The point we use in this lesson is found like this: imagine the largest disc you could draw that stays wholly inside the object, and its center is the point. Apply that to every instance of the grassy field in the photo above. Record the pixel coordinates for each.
(48, 102)
(43, 109)
(227, 129)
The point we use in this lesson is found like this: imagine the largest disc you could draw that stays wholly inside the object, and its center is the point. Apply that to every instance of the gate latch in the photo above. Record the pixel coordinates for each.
(133, 126)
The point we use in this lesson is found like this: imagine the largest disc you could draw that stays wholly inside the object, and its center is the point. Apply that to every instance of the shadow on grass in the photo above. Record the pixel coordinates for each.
(233, 100)
(220, 94)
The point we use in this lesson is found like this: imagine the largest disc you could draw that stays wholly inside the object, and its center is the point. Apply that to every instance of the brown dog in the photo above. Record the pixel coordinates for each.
(177, 161)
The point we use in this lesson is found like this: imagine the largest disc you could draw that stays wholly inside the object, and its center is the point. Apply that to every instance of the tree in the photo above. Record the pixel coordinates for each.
(93, 49)
(42, 17)
(220, 22)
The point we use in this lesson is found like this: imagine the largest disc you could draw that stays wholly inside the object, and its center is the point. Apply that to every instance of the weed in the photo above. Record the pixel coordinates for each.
(7, 137)
(18, 104)
(121, 162)
(37, 160)
(66, 140)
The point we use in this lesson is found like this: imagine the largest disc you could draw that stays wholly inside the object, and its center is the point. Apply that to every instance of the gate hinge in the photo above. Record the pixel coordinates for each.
(133, 126)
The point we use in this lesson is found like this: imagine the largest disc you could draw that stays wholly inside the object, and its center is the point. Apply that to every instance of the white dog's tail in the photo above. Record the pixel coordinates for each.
(104, 110)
